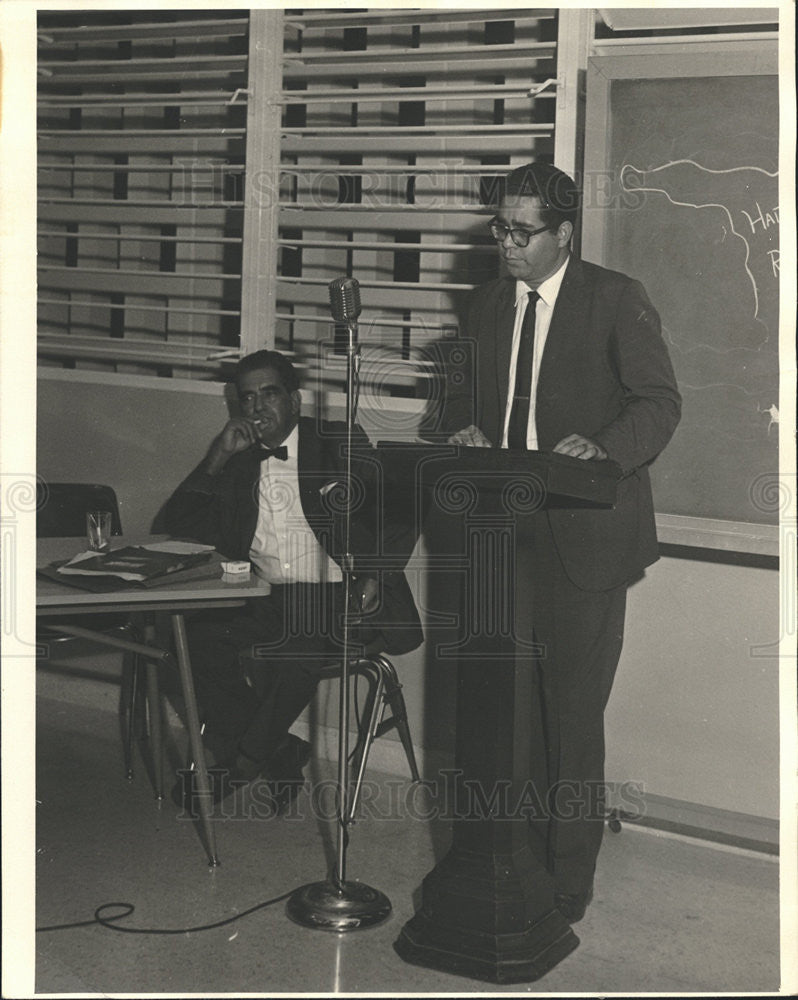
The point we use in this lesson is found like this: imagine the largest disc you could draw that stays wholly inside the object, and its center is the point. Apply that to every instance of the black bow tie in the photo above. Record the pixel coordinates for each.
(280, 452)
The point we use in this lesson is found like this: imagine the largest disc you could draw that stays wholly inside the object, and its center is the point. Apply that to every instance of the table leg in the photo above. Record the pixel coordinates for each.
(195, 738)
(145, 625)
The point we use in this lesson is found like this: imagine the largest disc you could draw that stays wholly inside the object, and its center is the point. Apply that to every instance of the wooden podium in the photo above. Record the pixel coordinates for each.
(488, 906)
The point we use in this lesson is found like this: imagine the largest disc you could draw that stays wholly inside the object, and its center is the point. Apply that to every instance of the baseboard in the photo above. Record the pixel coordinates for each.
(692, 819)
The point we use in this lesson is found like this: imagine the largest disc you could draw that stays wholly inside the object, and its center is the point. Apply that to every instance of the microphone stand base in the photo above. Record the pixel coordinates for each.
(323, 906)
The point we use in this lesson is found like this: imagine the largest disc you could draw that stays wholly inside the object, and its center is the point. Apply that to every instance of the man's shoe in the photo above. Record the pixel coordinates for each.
(291, 756)
(284, 771)
(572, 905)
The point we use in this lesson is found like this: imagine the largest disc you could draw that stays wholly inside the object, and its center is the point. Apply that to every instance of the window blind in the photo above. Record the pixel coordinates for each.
(204, 175)
(396, 127)
(141, 160)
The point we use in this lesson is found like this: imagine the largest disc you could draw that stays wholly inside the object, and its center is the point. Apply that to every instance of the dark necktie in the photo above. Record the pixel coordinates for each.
(519, 414)
(280, 452)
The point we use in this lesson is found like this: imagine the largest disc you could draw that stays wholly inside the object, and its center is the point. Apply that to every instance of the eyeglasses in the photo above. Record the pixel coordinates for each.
(520, 237)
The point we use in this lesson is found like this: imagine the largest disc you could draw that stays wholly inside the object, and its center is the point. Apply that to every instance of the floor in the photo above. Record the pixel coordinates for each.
(670, 915)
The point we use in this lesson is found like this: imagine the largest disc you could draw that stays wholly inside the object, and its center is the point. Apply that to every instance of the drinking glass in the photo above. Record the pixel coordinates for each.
(98, 530)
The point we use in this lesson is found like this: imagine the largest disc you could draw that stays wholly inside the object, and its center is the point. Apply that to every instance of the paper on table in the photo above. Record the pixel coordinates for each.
(177, 547)
(182, 548)
(134, 563)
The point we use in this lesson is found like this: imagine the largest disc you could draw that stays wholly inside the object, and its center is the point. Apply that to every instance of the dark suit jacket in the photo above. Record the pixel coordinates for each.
(605, 373)
(222, 511)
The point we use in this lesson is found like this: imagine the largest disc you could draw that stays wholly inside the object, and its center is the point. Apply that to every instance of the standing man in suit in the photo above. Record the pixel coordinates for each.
(272, 491)
(569, 358)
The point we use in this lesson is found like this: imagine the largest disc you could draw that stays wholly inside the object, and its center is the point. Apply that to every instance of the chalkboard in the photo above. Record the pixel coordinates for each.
(681, 192)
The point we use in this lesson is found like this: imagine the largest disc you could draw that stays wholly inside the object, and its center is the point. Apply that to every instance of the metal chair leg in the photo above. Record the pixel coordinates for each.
(144, 631)
(156, 737)
(155, 730)
(130, 671)
(394, 697)
(384, 690)
(373, 709)
(366, 670)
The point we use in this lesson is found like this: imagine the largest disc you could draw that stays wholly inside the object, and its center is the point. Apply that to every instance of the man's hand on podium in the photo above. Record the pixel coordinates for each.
(579, 447)
(471, 437)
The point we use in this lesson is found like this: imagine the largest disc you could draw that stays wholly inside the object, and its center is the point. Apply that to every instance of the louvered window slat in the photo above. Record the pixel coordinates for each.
(430, 93)
(412, 59)
(111, 215)
(131, 282)
(142, 153)
(192, 238)
(55, 36)
(213, 144)
(315, 18)
(175, 306)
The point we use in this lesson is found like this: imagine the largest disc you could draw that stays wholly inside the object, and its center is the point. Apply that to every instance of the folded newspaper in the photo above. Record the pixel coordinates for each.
(138, 563)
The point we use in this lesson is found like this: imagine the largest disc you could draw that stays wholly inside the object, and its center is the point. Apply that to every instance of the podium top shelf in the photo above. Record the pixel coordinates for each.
(565, 481)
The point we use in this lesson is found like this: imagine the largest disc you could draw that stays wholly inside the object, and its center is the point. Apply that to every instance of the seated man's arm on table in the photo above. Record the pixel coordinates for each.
(195, 510)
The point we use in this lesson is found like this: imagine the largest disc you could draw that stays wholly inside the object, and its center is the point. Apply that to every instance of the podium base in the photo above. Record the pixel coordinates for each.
(322, 906)
(506, 958)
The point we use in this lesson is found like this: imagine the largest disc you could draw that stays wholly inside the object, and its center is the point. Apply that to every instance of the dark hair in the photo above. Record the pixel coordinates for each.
(269, 359)
(556, 191)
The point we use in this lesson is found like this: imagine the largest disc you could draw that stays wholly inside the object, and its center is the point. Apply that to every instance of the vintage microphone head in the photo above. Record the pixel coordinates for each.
(345, 299)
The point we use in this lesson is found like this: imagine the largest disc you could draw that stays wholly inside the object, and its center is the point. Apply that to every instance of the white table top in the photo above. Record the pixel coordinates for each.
(205, 591)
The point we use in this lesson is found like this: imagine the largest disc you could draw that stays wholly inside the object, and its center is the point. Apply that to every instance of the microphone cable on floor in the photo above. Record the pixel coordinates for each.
(128, 908)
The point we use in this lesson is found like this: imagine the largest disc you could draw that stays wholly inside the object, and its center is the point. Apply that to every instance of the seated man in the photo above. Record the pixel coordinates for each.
(272, 490)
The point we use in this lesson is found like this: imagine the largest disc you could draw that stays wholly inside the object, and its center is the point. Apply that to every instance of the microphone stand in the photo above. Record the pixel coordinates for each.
(335, 904)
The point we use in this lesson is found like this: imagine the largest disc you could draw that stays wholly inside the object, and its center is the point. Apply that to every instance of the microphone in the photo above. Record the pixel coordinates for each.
(345, 307)
(345, 300)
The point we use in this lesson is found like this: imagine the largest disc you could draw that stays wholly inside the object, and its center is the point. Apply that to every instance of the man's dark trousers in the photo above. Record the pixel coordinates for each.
(581, 634)
(257, 668)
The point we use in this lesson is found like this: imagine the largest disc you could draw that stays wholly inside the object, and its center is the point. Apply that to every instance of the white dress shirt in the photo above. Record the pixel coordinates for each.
(548, 291)
(284, 548)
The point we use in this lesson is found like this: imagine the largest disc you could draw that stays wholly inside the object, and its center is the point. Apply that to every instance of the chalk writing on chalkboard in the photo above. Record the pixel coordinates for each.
(748, 196)
(745, 201)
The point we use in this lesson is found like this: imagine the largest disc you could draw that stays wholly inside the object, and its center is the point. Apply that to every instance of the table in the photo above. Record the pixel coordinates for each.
(173, 598)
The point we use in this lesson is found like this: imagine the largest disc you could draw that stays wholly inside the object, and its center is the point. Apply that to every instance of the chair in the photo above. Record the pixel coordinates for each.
(384, 693)
(61, 508)
(61, 513)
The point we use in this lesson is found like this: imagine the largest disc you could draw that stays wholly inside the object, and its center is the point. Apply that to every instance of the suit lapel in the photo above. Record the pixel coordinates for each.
(310, 465)
(503, 341)
(247, 500)
(568, 319)
(317, 470)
